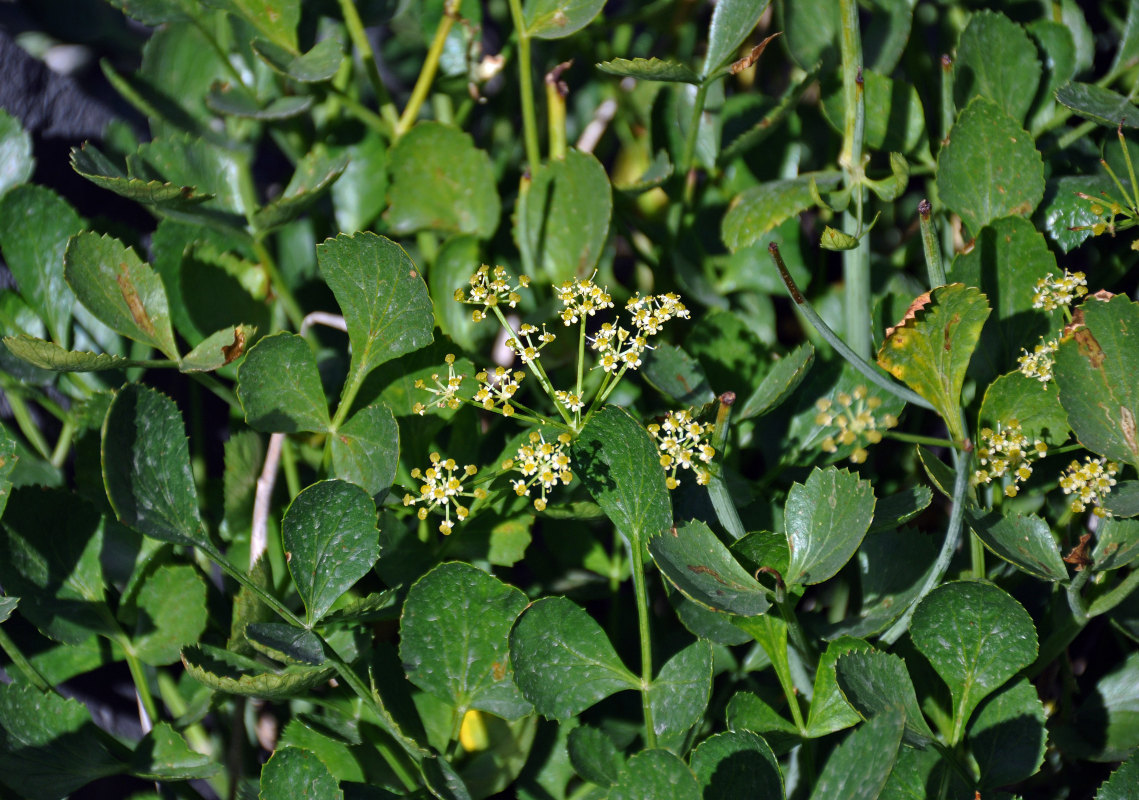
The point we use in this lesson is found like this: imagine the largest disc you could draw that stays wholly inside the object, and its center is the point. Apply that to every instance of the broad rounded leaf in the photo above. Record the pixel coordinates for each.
(990, 167)
(698, 564)
(366, 449)
(277, 19)
(35, 224)
(563, 661)
(441, 181)
(876, 683)
(826, 519)
(620, 465)
(1121, 785)
(286, 643)
(169, 613)
(293, 774)
(1095, 368)
(679, 694)
(218, 349)
(1007, 736)
(594, 756)
(657, 774)
(737, 764)
(1117, 544)
(329, 533)
(897, 509)
(1024, 541)
(732, 22)
(187, 160)
(997, 60)
(859, 767)
(229, 673)
(1099, 104)
(454, 639)
(676, 374)
(236, 101)
(1105, 726)
(830, 711)
(163, 755)
(146, 467)
(759, 209)
(16, 162)
(556, 19)
(931, 348)
(1035, 405)
(562, 218)
(317, 65)
(650, 69)
(976, 637)
(381, 294)
(121, 290)
(279, 386)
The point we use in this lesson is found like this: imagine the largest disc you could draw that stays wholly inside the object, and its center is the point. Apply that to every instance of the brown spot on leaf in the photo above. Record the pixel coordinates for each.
(134, 302)
(745, 62)
(1079, 553)
(232, 352)
(700, 569)
(1127, 427)
(920, 302)
(1089, 347)
(498, 670)
(947, 343)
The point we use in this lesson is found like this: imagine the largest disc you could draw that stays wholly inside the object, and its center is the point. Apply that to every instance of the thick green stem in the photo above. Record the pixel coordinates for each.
(27, 425)
(430, 66)
(63, 444)
(526, 88)
(856, 262)
(556, 112)
(641, 593)
(363, 47)
(948, 109)
(868, 370)
(141, 684)
(280, 288)
(914, 438)
(933, 266)
(689, 152)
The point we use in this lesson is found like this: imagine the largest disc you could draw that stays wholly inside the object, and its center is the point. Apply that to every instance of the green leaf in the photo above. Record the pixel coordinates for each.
(826, 519)
(562, 660)
(48, 355)
(1007, 259)
(1035, 405)
(49, 747)
(441, 181)
(1105, 726)
(898, 122)
(1066, 209)
(812, 32)
(676, 374)
(35, 224)
(976, 637)
(830, 711)
(361, 193)
(8, 460)
(314, 175)
(679, 694)
(930, 349)
(997, 60)
(277, 19)
(759, 209)
(50, 542)
(292, 773)
(381, 294)
(859, 767)
(876, 683)
(329, 532)
(737, 764)
(1095, 368)
(562, 218)
(16, 161)
(232, 674)
(168, 613)
(1121, 784)
(897, 509)
(7, 606)
(365, 450)
(93, 165)
(316, 66)
(218, 349)
(732, 22)
(657, 774)
(286, 643)
(1117, 544)
(454, 639)
(1026, 542)
(703, 569)
(1099, 104)
(915, 770)
(235, 101)
(121, 290)
(163, 755)
(456, 260)
(594, 756)
(938, 472)
(834, 239)
(990, 167)
(279, 386)
(747, 712)
(619, 464)
(656, 173)
(783, 379)
(191, 161)
(1122, 502)
(556, 19)
(146, 468)
(1007, 736)
(341, 757)
(650, 69)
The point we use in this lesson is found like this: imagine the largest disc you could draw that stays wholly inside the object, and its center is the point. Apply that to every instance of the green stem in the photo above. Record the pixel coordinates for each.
(430, 66)
(718, 491)
(641, 593)
(1102, 605)
(27, 425)
(289, 467)
(526, 88)
(536, 369)
(141, 684)
(280, 608)
(364, 49)
(689, 152)
(1075, 600)
(977, 557)
(556, 112)
(933, 266)
(217, 387)
(855, 262)
(869, 371)
(948, 109)
(20, 662)
(63, 444)
(948, 547)
(361, 112)
(913, 438)
(280, 288)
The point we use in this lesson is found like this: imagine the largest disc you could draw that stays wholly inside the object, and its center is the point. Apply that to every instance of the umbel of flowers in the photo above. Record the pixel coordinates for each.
(1051, 293)
(618, 346)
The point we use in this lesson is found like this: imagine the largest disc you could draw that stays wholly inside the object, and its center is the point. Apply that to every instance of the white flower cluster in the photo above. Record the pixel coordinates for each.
(442, 488)
(1038, 363)
(853, 415)
(542, 463)
(498, 387)
(683, 442)
(1007, 451)
(1090, 482)
(490, 289)
(581, 299)
(1052, 293)
(445, 393)
(529, 351)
